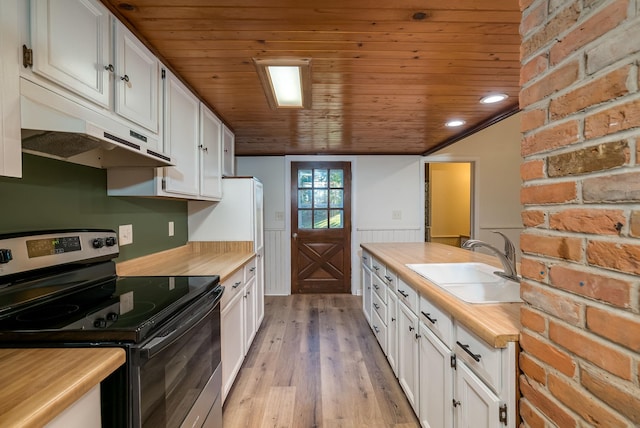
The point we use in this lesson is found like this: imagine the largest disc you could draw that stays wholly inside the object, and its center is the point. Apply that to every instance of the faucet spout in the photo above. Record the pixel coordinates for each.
(507, 258)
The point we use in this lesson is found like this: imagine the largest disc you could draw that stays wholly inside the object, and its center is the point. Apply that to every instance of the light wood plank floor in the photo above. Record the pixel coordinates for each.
(316, 363)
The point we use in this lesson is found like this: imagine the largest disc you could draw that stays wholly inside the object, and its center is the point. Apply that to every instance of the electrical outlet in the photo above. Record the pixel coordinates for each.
(171, 229)
(396, 215)
(125, 234)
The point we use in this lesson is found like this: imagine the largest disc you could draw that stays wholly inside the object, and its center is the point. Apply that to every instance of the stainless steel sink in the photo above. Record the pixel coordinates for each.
(470, 282)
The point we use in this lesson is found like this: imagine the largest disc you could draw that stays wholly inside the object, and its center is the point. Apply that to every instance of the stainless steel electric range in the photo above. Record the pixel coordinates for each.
(60, 289)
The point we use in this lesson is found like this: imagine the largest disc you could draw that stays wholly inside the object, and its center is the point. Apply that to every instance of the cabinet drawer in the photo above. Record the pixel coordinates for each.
(366, 258)
(232, 286)
(438, 321)
(378, 267)
(379, 288)
(380, 330)
(482, 359)
(249, 270)
(380, 307)
(408, 295)
(391, 279)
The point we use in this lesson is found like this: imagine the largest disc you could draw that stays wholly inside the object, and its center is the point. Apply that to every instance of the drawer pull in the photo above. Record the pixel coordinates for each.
(365, 258)
(403, 293)
(376, 286)
(252, 269)
(456, 403)
(388, 278)
(427, 316)
(236, 285)
(465, 348)
(375, 327)
(411, 328)
(377, 268)
(375, 305)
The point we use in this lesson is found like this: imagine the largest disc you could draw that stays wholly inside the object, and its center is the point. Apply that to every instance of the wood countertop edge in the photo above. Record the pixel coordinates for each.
(473, 316)
(36, 399)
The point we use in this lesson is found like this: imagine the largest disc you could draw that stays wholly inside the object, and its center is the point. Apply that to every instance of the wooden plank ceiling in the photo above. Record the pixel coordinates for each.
(386, 75)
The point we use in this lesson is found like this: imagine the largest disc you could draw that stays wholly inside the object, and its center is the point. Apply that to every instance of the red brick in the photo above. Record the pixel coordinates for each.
(548, 353)
(615, 396)
(550, 83)
(532, 170)
(600, 287)
(613, 255)
(564, 19)
(612, 188)
(601, 222)
(530, 415)
(532, 218)
(532, 369)
(605, 20)
(532, 320)
(605, 88)
(634, 224)
(621, 329)
(556, 136)
(561, 305)
(535, 67)
(583, 345)
(540, 400)
(533, 18)
(618, 118)
(533, 269)
(583, 404)
(560, 247)
(555, 193)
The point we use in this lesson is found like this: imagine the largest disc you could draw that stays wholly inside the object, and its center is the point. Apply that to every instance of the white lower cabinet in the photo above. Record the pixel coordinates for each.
(436, 381)
(250, 305)
(408, 355)
(476, 406)
(366, 292)
(392, 331)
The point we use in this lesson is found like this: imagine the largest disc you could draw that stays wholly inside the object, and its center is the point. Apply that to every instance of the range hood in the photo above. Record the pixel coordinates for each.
(59, 127)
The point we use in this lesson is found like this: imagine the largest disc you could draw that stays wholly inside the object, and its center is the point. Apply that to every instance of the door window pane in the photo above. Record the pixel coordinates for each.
(305, 178)
(304, 198)
(320, 178)
(336, 199)
(305, 219)
(336, 178)
(336, 219)
(320, 219)
(320, 198)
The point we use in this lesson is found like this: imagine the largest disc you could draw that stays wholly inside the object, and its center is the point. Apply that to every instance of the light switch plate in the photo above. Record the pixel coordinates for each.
(125, 234)
(171, 229)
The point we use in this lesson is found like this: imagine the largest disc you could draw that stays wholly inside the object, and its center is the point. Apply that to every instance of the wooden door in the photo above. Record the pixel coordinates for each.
(321, 227)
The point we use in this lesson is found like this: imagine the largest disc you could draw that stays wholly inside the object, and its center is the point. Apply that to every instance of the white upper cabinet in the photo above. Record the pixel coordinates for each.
(228, 143)
(210, 154)
(181, 112)
(72, 46)
(136, 80)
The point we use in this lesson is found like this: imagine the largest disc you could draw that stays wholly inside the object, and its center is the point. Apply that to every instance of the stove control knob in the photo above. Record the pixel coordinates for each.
(98, 243)
(100, 323)
(112, 316)
(110, 241)
(5, 255)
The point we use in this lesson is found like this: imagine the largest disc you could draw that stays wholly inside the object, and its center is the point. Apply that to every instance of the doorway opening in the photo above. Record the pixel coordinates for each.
(448, 202)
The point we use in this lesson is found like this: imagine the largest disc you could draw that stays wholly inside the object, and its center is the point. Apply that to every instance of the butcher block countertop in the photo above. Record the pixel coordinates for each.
(195, 258)
(38, 384)
(497, 324)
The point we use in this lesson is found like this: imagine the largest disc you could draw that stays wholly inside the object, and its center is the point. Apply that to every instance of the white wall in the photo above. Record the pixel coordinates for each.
(496, 154)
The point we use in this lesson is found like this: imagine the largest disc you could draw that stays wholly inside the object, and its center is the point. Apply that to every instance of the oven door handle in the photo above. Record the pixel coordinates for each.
(158, 343)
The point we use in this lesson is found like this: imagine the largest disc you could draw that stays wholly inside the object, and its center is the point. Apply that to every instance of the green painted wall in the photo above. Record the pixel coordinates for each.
(55, 195)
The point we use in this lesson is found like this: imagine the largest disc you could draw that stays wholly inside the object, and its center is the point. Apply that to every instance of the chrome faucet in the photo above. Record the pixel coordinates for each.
(508, 258)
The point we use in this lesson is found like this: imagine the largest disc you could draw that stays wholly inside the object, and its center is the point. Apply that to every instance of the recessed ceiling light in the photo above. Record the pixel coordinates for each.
(454, 123)
(494, 98)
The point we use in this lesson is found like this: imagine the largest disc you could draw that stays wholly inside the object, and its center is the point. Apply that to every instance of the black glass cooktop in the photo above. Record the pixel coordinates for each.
(111, 309)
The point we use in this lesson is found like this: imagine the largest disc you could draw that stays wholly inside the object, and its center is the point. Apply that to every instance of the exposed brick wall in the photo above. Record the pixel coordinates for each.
(580, 97)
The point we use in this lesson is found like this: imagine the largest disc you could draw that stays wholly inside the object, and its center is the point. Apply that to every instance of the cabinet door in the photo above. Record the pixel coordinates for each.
(250, 302)
(476, 405)
(436, 381)
(181, 137)
(232, 341)
(366, 293)
(228, 142)
(408, 363)
(392, 331)
(259, 288)
(71, 46)
(210, 154)
(258, 221)
(136, 80)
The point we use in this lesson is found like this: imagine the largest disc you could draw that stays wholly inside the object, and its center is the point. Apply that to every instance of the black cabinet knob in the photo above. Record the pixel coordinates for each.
(5, 255)
(100, 323)
(110, 241)
(98, 243)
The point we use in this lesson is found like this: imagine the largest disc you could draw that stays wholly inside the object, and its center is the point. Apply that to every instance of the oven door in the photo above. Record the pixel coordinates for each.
(173, 373)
